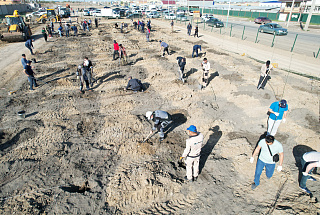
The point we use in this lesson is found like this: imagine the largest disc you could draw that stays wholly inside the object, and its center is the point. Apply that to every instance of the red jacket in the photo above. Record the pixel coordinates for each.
(116, 46)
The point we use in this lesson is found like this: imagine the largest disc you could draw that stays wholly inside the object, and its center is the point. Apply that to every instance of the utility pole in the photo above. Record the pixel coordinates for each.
(290, 13)
(228, 14)
(300, 11)
(313, 4)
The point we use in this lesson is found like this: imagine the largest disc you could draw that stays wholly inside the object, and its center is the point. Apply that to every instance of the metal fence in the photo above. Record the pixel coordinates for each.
(301, 43)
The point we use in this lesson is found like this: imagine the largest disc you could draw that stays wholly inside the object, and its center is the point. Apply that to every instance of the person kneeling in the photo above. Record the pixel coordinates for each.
(134, 84)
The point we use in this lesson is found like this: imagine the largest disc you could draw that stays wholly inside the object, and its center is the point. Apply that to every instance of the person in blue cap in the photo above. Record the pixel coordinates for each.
(192, 153)
(278, 113)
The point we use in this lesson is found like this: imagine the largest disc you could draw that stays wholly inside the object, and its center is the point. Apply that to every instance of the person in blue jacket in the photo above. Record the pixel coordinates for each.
(195, 50)
(29, 45)
(278, 112)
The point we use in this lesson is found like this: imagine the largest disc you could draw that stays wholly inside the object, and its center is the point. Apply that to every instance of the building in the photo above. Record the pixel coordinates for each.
(196, 3)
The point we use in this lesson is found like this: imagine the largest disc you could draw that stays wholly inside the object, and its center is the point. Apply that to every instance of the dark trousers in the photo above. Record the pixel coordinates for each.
(263, 84)
(142, 29)
(96, 24)
(195, 51)
(189, 32)
(28, 47)
(166, 49)
(196, 33)
(115, 52)
(45, 37)
(32, 82)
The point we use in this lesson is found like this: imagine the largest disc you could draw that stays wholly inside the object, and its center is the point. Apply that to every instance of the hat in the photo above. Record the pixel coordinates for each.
(29, 61)
(129, 77)
(283, 103)
(160, 41)
(192, 128)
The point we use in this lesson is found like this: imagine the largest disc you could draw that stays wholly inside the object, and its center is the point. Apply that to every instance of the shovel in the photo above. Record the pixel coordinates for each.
(150, 135)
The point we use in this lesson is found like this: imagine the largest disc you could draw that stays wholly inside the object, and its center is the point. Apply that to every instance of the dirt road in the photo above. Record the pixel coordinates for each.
(69, 138)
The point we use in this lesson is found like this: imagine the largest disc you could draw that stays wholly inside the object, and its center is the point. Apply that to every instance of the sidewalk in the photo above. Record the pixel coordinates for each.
(289, 61)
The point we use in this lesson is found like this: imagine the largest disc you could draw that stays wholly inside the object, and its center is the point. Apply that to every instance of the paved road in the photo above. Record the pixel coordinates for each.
(307, 43)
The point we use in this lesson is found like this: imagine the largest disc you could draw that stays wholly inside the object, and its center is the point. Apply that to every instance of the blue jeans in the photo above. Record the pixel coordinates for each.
(303, 181)
(32, 81)
(67, 33)
(195, 51)
(269, 170)
(60, 33)
(28, 47)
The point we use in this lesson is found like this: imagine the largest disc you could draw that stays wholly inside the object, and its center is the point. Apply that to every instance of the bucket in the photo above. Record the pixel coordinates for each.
(22, 114)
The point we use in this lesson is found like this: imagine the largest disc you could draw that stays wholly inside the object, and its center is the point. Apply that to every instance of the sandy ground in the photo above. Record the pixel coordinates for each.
(69, 138)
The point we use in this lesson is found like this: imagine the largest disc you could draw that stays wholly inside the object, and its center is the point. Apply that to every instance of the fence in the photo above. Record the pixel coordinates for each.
(315, 19)
(302, 43)
(8, 9)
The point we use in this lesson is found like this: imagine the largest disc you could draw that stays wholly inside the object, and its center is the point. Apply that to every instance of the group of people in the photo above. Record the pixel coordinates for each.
(140, 26)
(119, 51)
(196, 30)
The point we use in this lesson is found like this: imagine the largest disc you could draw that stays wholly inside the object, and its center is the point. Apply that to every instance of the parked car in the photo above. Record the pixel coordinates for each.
(182, 17)
(206, 17)
(215, 23)
(33, 14)
(153, 15)
(134, 16)
(96, 13)
(170, 16)
(262, 20)
(180, 12)
(86, 12)
(273, 28)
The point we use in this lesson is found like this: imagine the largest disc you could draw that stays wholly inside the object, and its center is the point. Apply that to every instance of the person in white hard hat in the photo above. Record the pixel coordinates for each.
(161, 119)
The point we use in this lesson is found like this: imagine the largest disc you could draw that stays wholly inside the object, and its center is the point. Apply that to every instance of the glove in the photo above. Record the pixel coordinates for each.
(251, 159)
(305, 173)
(180, 158)
(284, 120)
(279, 168)
(275, 113)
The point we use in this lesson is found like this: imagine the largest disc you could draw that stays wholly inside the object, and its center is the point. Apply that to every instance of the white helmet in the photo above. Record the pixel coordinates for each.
(149, 114)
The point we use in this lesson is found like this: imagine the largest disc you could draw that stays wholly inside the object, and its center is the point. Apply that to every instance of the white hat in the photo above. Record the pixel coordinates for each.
(149, 114)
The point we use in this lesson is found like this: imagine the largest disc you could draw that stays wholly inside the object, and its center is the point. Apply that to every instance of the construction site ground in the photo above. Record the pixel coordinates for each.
(69, 138)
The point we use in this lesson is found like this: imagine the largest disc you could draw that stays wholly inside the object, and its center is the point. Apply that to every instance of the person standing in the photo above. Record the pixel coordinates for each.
(60, 31)
(172, 24)
(84, 25)
(115, 49)
(123, 53)
(309, 161)
(278, 112)
(29, 72)
(149, 24)
(88, 67)
(134, 84)
(142, 26)
(48, 29)
(75, 30)
(52, 26)
(44, 33)
(139, 25)
(205, 67)
(264, 75)
(96, 21)
(196, 32)
(67, 29)
(82, 76)
(24, 60)
(189, 28)
(165, 48)
(268, 147)
(182, 64)
(192, 153)
(29, 45)
(195, 50)
(161, 119)
(148, 34)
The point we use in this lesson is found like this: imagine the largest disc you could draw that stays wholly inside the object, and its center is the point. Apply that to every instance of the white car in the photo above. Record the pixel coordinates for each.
(207, 17)
(170, 16)
(153, 15)
(96, 13)
(86, 12)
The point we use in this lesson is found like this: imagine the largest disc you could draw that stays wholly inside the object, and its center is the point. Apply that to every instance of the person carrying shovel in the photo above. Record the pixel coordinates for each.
(264, 75)
(161, 119)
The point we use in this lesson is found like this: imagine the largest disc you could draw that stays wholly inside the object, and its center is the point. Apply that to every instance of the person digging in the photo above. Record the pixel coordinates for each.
(161, 119)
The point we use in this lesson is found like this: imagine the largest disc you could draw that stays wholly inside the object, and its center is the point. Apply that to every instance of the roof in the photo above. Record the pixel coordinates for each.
(271, 2)
(168, 2)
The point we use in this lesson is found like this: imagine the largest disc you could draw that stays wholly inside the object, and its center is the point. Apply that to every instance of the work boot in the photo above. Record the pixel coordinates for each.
(305, 190)
(254, 186)
(186, 179)
(195, 178)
